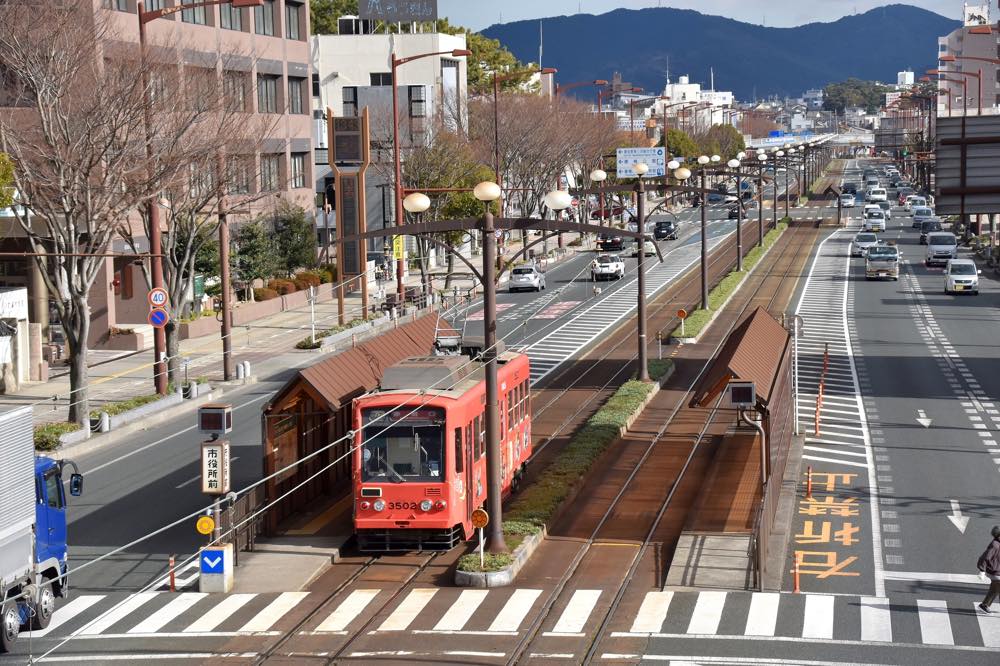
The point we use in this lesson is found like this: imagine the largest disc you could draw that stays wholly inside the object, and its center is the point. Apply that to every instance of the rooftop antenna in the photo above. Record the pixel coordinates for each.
(711, 74)
(541, 40)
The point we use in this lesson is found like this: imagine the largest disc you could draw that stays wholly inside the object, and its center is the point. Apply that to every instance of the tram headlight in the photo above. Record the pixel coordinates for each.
(440, 504)
(426, 505)
(365, 506)
(378, 505)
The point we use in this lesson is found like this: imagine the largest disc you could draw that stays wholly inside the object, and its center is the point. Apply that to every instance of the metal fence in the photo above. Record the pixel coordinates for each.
(235, 520)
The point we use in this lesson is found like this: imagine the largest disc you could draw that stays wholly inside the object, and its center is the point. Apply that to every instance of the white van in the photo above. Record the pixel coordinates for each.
(942, 247)
(877, 194)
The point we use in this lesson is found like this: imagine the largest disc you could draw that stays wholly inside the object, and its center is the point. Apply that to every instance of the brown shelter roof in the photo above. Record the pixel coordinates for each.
(342, 377)
(751, 353)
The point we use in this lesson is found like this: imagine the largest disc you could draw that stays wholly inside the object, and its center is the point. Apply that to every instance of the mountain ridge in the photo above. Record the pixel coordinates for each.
(748, 59)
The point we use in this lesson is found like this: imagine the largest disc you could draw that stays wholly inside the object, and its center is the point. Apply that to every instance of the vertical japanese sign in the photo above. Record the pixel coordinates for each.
(215, 467)
(348, 218)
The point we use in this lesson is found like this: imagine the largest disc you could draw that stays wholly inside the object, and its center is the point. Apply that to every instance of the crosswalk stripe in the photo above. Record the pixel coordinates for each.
(461, 611)
(66, 613)
(160, 618)
(707, 613)
(763, 616)
(408, 610)
(876, 624)
(935, 626)
(348, 609)
(818, 620)
(653, 612)
(273, 612)
(219, 613)
(513, 612)
(102, 623)
(989, 627)
(575, 615)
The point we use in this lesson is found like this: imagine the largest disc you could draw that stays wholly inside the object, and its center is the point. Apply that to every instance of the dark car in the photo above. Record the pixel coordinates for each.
(927, 227)
(608, 212)
(665, 230)
(734, 213)
(610, 243)
(715, 197)
(850, 188)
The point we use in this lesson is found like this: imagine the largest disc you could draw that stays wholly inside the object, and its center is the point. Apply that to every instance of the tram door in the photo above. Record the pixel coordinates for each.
(470, 475)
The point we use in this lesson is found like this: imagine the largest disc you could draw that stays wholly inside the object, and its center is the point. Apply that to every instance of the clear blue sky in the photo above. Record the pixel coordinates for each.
(478, 14)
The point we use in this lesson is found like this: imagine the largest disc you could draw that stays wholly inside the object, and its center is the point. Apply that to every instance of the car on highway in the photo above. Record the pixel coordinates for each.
(607, 267)
(886, 208)
(928, 227)
(730, 197)
(847, 200)
(921, 214)
(913, 201)
(874, 220)
(861, 243)
(665, 230)
(877, 194)
(608, 212)
(850, 188)
(902, 193)
(961, 276)
(610, 242)
(715, 197)
(734, 213)
(942, 246)
(648, 249)
(526, 278)
(882, 261)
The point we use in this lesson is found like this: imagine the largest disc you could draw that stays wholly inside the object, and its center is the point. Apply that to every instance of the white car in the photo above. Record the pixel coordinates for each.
(914, 200)
(874, 220)
(877, 194)
(648, 249)
(882, 261)
(847, 200)
(961, 275)
(607, 267)
(886, 208)
(942, 247)
(526, 277)
(861, 243)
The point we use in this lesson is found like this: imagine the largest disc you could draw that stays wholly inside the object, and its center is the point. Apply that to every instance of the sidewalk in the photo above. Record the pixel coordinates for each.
(267, 343)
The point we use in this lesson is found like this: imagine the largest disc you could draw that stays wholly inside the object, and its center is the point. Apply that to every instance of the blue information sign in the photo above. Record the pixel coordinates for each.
(213, 560)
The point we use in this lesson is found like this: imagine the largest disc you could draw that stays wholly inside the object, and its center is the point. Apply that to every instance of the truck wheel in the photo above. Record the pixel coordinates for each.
(10, 626)
(42, 611)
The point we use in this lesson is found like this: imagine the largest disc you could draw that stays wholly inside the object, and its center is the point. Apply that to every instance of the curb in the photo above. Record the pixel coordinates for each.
(506, 575)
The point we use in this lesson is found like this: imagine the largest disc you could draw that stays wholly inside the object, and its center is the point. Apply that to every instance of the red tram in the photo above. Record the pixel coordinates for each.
(420, 449)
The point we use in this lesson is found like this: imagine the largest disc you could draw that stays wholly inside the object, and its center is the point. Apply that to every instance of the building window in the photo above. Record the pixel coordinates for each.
(269, 165)
(350, 101)
(417, 100)
(263, 18)
(234, 88)
(381, 79)
(117, 5)
(238, 175)
(298, 170)
(267, 94)
(196, 15)
(295, 89)
(231, 18)
(315, 84)
(152, 5)
(293, 14)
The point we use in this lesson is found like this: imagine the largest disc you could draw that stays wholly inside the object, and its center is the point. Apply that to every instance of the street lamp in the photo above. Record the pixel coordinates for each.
(761, 159)
(397, 163)
(943, 75)
(703, 162)
(599, 176)
(734, 164)
(641, 169)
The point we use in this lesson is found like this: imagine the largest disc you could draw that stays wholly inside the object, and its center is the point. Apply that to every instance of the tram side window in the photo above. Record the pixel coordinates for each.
(527, 397)
(469, 439)
(510, 410)
(481, 438)
(459, 457)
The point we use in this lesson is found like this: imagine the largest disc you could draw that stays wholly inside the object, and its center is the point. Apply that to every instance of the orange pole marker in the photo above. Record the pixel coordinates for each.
(173, 585)
(795, 575)
(809, 482)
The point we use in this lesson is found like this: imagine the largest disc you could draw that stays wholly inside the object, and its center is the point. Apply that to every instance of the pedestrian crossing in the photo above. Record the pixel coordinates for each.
(506, 612)
(842, 436)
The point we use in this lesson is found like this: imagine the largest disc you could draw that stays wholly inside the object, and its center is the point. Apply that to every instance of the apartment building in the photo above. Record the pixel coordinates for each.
(955, 65)
(266, 51)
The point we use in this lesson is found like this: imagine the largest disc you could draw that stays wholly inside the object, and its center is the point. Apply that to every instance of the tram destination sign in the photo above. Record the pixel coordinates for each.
(398, 11)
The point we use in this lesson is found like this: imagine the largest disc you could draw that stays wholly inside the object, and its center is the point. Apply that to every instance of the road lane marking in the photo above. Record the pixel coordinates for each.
(707, 613)
(653, 612)
(273, 612)
(989, 627)
(763, 615)
(935, 625)
(576, 613)
(115, 614)
(818, 617)
(161, 617)
(407, 611)
(219, 613)
(514, 611)
(66, 613)
(461, 611)
(876, 624)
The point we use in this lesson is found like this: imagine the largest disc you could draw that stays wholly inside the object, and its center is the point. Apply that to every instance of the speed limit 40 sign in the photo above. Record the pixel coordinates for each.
(157, 297)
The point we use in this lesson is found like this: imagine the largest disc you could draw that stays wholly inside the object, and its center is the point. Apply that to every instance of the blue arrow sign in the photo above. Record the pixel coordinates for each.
(158, 317)
(213, 561)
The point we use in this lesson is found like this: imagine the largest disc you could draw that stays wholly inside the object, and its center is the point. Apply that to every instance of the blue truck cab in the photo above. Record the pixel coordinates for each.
(33, 551)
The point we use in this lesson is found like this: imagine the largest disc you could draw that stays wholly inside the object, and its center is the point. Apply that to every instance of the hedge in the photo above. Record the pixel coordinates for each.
(538, 502)
(699, 319)
(122, 406)
(47, 435)
(308, 343)
(264, 294)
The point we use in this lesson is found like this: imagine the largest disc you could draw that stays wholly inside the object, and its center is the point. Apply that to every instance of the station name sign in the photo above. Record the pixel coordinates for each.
(398, 11)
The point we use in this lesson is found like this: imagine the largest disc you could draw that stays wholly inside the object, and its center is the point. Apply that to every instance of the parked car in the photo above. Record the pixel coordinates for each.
(921, 214)
(941, 247)
(882, 261)
(961, 275)
(861, 243)
(665, 230)
(847, 200)
(610, 242)
(526, 277)
(607, 267)
(928, 227)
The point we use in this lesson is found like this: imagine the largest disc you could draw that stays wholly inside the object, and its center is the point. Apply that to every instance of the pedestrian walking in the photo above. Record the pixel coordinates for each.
(989, 568)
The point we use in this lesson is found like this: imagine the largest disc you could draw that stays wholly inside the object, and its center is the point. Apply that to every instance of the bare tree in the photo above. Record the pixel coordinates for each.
(79, 143)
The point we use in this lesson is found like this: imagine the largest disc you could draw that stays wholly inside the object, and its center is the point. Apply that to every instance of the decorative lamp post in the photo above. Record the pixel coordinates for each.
(761, 160)
(734, 164)
(599, 176)
(703, 163)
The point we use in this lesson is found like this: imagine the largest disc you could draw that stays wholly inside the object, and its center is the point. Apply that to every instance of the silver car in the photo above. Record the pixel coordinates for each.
(861, 243)
(526, 277)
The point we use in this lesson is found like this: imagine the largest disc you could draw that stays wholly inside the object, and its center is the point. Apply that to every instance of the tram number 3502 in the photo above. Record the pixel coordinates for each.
(404, 505)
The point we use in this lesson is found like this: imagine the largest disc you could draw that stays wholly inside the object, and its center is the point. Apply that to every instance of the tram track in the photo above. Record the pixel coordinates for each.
(771, 282)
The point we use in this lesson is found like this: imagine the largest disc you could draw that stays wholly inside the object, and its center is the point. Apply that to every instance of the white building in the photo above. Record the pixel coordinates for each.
(813, 99)
(353, 70)
(904, 78)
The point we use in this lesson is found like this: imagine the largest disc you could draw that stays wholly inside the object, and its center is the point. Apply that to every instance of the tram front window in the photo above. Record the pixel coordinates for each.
(402, 445)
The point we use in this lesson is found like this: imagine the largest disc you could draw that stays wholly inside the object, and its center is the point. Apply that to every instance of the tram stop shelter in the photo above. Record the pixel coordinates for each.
(313, 410)
(724, 540)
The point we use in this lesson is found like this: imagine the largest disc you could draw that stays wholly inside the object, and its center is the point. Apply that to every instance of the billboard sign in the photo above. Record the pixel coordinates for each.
(398, 11)
(654, 158)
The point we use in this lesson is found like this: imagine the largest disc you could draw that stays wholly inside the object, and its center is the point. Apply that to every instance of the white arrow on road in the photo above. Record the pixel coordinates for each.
(212, 563)
(956, 517)
(922, 418)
